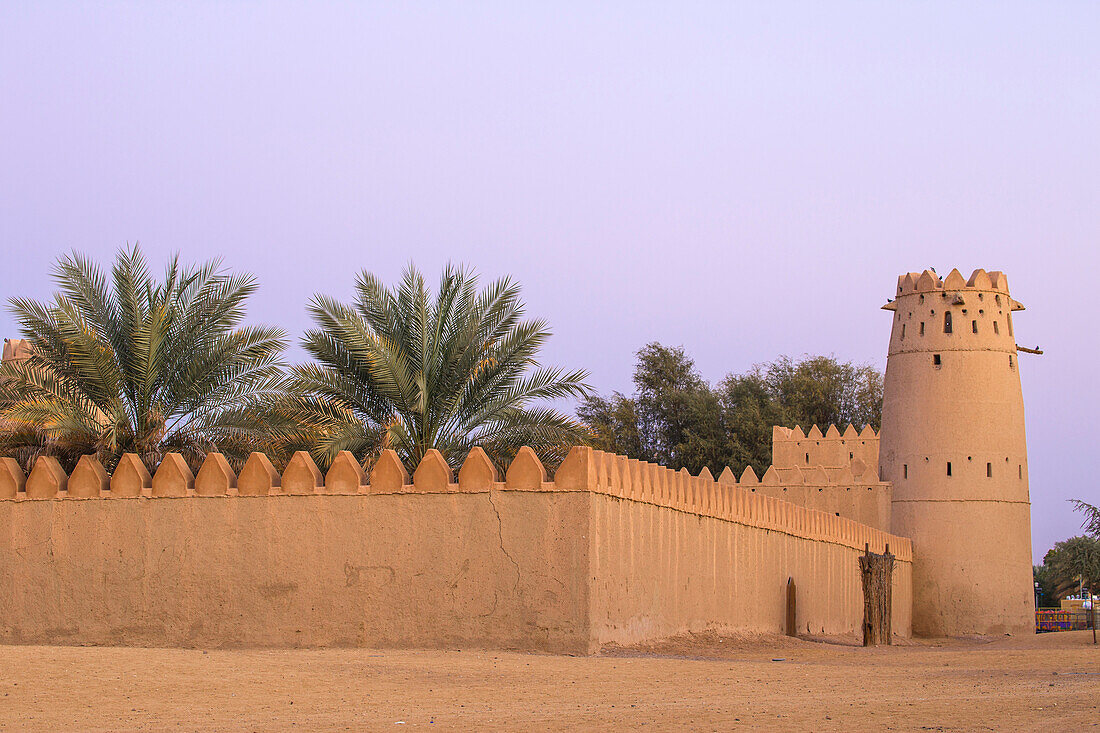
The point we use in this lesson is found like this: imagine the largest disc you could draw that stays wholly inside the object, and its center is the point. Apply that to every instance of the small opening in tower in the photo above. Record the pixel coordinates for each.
(996, 328)
(1021, 470)
(936, 361)
(903, 330)
(947, 322)
(905, 470)
(989, 470)
(1010, 365)
(974, 326)
(851, 454)
(949, 468)
(807, 458)
(922, 328)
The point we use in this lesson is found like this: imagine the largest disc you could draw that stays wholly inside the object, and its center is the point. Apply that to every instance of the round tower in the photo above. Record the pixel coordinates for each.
(952, 444)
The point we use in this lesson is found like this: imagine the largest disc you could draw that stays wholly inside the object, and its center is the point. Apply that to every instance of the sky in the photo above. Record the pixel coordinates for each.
(744, 180)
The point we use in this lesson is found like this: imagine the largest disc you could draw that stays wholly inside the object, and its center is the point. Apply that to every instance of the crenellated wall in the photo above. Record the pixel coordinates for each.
(791, 448)
(834, 472)
(612, 550)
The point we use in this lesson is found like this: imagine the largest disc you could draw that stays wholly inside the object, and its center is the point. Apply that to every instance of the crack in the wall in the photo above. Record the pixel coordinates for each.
(500, 538)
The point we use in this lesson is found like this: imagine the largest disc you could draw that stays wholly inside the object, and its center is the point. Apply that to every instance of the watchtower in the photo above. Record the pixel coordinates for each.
(952, 444)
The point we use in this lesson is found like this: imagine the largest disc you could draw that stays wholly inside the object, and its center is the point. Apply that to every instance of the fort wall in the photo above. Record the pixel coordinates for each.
(792, 448)
(830, 472)
(612, 551)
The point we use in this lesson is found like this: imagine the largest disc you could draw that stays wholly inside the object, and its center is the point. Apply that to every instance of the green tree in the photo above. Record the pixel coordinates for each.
(407, 370)
(613, 423)
(678, 420)
(749, 410)
(135, 364)
(677, 411)
(1074, 564)
(823, 391)
(1092, 517)
(1051, 590)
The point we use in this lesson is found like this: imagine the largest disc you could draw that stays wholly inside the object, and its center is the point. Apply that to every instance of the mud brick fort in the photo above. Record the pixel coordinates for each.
(610, 550)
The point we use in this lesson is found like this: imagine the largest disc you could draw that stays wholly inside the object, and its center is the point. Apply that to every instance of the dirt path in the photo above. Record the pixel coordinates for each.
(701, 683)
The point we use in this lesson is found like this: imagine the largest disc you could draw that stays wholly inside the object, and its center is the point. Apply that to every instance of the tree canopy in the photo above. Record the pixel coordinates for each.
(132, 363)
(677, 419)
(1073, 564)
(409, 369)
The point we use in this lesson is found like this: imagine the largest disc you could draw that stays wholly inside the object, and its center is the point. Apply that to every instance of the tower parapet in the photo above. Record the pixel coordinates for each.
(953, 446)
(953, 314)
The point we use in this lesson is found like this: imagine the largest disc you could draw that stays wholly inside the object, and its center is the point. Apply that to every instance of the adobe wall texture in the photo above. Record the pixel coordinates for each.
(658, 573)
(831, 472)
(399, 570)
(612, 551)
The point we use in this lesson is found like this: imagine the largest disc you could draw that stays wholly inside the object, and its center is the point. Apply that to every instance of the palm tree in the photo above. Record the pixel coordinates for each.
(405, 370)
(1091, 522)
(139, 365)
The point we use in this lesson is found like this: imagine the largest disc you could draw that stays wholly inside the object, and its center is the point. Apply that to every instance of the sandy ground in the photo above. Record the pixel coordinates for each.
(698, 683)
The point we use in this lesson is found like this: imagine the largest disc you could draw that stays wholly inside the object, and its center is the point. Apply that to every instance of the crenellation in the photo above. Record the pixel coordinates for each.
(12, 478)
(583, 470)
(131, 478)
(622, 467)
(173, 477)
(526, 471)
(89, 479)
(478, 473)
(433, 475)
(47, 480)
(301, 475)
(345, 475)
(215, 477)
(258, 477)
(388, 475)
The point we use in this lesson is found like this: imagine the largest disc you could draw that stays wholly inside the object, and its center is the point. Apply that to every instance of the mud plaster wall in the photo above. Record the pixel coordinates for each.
(865, 503)
(659, 571)
(405, 570)
(614, 550)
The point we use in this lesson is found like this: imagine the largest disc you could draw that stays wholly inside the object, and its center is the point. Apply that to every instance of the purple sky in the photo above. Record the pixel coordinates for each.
(746, 182)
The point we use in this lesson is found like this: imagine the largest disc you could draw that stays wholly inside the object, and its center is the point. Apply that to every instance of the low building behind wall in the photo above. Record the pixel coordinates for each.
(612, 551)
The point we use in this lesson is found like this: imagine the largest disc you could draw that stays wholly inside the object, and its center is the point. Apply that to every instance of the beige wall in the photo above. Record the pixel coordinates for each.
(835, 472)
(613, 551)
(793, 448)
(400, 570)
(660, 572)
(868, 504)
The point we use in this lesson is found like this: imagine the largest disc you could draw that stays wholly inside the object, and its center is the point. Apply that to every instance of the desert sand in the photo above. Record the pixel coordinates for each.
(698, 683)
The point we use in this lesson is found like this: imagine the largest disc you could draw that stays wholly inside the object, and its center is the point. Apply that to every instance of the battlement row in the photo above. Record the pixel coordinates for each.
(831, 433)
(846, 457)
(584, 469)
(928, 281)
